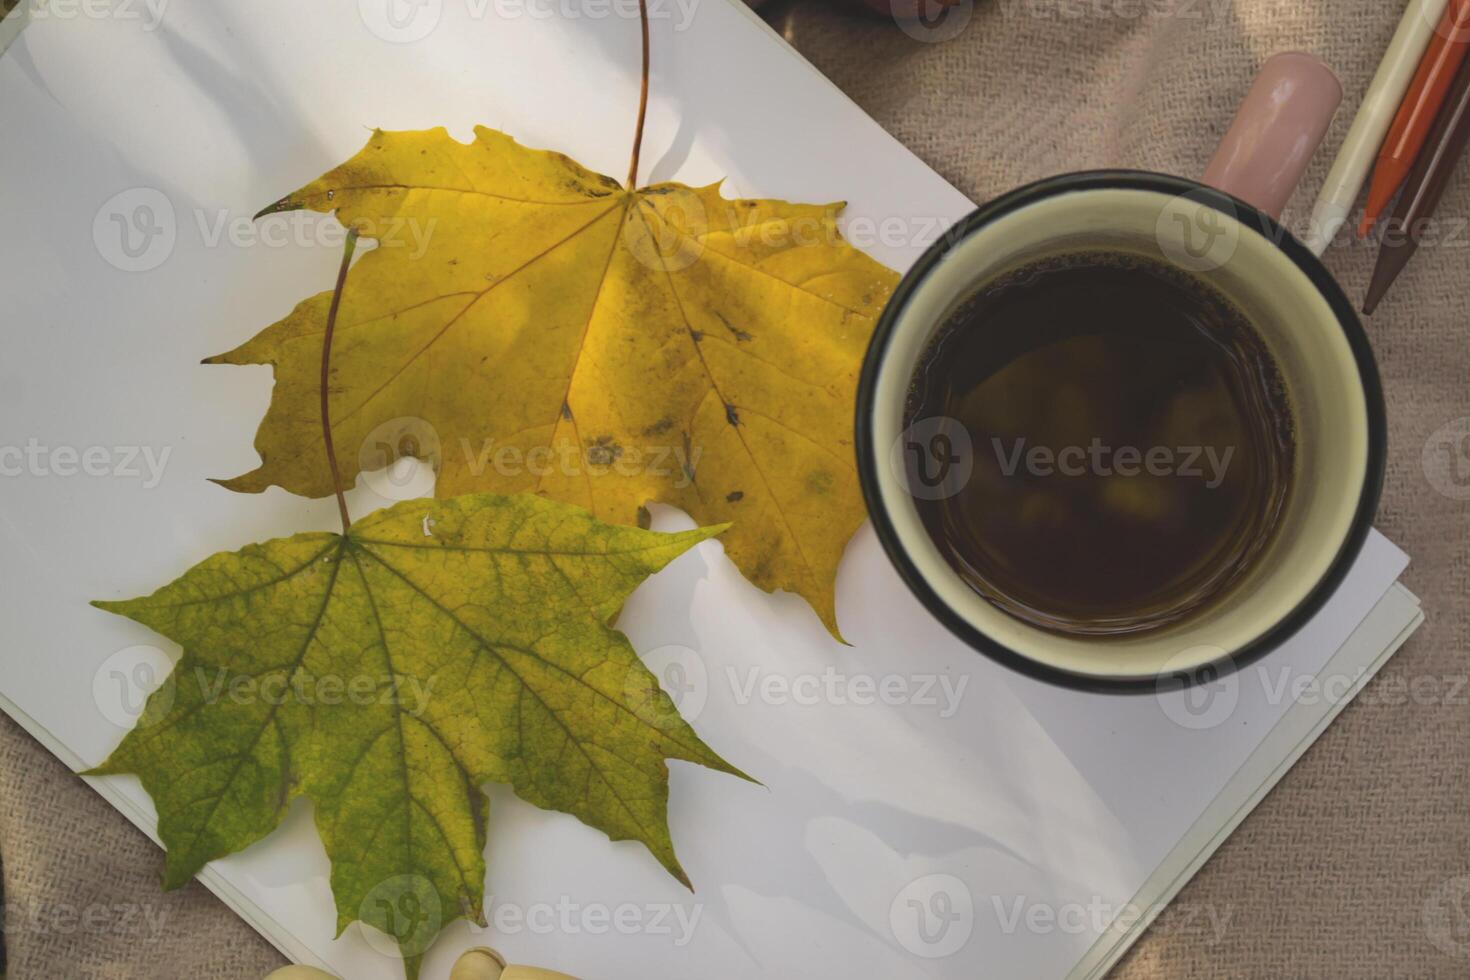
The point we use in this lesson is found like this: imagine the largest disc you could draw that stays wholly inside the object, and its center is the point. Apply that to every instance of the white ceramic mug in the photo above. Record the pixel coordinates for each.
(1237, 246)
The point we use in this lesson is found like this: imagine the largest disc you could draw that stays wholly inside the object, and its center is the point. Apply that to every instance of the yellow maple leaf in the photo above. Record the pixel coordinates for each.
(531, 326)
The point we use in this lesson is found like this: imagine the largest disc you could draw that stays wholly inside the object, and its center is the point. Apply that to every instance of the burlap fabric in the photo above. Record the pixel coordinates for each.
(1355, 867)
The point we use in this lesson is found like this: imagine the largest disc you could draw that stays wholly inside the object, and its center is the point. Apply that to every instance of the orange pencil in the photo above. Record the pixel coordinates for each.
(1426, 96)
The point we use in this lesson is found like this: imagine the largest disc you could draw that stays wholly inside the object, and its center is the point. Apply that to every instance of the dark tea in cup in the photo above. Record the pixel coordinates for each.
(1133, 443)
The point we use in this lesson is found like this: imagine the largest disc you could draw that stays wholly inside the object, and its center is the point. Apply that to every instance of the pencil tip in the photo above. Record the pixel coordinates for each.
(1388, 177)
(1398, 249)
(1376, 291)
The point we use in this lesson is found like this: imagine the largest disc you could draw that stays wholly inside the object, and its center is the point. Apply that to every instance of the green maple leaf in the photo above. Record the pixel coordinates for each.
(390, 672)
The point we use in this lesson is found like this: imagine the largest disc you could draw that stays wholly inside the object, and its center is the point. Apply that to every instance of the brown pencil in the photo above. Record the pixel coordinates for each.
(1424, 189)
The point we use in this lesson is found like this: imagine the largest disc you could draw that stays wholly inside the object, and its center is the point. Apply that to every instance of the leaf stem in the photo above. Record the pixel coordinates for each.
(347, 251)
(642, 101)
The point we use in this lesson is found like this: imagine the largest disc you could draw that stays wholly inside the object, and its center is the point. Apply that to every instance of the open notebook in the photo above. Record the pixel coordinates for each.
(969, 822)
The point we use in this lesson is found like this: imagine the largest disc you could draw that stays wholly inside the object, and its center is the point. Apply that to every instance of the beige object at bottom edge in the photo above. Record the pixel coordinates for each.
(477, 964)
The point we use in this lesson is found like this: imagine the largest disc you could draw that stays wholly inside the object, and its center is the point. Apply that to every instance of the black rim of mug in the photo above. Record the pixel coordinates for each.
(869, 458)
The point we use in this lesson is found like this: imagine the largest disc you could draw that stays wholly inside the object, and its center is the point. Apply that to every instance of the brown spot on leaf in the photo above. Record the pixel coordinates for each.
(660, 427)
(603, 451)
(740, 335)
(735, 497)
